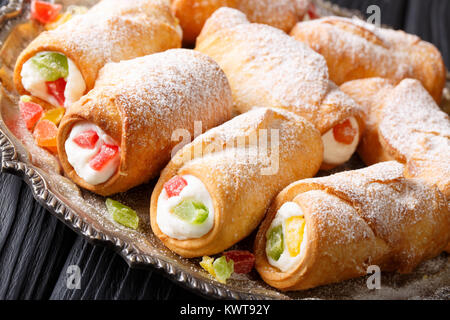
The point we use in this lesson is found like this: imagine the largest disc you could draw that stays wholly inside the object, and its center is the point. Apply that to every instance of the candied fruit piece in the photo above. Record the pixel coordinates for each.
(45, 133)
(54, 115)
(107, 153)
(244, 261)
(174, 186)
(191, 211)
(223, 269)
(207, 264)
(295, 227)
(51, 65)
(275, 243)
(56, 89)
(30, 112)
(122, 214)
(344, 132)
(86, 139)
(44, 12)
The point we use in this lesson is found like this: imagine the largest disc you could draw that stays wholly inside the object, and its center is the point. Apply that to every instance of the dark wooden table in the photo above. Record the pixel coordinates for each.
(36, 248)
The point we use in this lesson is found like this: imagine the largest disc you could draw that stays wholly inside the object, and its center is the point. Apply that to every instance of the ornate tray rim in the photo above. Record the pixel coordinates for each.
(10, 163)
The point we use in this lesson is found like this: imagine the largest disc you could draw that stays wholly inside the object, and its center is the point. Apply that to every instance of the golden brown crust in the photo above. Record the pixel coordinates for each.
(369, 94)
(355, 219)
(192, 15)
(233, 175)
(267, 68)
(110, 31)
(356, 50)
(140, 103)
(282, 14)
(404, 123)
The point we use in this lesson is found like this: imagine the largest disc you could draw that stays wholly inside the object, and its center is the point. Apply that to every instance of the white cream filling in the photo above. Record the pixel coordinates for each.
(335, 152)
(286, 261)
(173, 226)
(34, 83)
(79, 157)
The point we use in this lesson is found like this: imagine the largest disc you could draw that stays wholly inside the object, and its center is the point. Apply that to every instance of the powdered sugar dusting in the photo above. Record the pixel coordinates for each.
(281, 14)
(389, 203)
(332, 212)
(115, 30)
(158, 89)
(245, 145)
(380, 52)
(413, 124)
(266, 67)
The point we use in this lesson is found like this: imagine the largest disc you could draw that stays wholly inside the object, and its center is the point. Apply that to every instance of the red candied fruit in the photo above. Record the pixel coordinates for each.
(244, 261)
(107, 153)
(44, 12)
(56, 89)
(86, 139)
(174, 186)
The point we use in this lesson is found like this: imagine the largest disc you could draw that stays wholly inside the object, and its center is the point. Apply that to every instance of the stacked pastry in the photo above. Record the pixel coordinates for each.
(61, 65)
(404, 123)
(355, 49)
(266, 67)
(129, 105)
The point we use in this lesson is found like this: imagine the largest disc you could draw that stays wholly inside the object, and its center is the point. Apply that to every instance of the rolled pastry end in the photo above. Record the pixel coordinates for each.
(284, 246)
(52, 77)
(340, 143)
(93, 155)
(185, 215)
(286, 237)
(185, 208)
(299, 244)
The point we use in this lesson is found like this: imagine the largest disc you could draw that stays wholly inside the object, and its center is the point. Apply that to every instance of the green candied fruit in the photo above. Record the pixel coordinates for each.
(122, 214)
(275, 245)
(223, 269)
(191, 211)
(51, 65)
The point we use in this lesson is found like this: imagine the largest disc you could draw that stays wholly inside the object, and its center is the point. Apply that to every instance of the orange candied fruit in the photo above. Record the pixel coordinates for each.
(344, 132)
(45, 134)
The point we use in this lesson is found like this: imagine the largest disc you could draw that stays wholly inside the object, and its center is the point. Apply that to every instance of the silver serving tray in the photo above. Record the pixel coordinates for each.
(85, 212)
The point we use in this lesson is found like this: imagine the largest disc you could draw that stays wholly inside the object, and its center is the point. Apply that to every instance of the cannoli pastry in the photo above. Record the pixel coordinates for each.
(61, 65)
(120, 134)
(325, 230)
(215, 191)
(355, 49)
(268, 68)
(282, 14)
(404, 123)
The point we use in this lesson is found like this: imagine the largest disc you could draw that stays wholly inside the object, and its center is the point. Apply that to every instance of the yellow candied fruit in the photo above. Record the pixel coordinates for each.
(54, 115)
(295, 227)
(207, 264)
